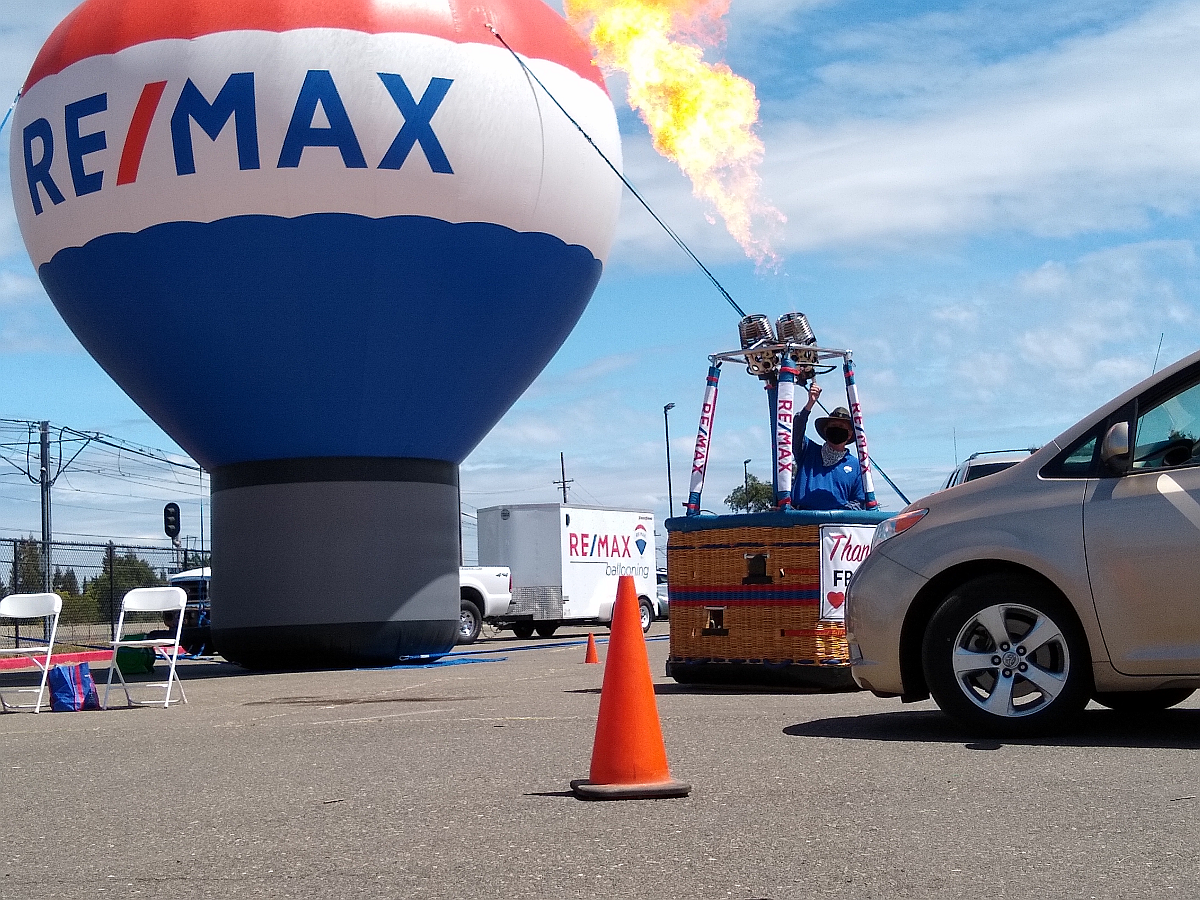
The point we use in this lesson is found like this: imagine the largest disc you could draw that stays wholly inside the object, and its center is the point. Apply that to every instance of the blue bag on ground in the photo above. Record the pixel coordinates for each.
(72, 688)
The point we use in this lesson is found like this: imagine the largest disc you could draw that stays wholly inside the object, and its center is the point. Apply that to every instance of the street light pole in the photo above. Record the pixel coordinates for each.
(667, 431)
(746, 478)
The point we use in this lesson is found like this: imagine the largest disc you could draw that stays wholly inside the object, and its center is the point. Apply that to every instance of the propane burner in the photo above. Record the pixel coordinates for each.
(793, 328)
(754, 330)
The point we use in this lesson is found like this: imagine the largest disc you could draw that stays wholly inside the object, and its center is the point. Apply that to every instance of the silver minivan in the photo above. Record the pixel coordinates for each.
(1072, 575)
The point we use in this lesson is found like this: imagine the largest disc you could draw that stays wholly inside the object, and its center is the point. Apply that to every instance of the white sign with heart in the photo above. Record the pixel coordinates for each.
(843, 548)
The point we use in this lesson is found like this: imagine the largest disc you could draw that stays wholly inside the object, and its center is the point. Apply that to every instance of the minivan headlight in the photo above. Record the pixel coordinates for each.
(889, 528)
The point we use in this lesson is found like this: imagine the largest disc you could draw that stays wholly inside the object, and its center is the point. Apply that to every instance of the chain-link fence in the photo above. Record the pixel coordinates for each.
(91, 579)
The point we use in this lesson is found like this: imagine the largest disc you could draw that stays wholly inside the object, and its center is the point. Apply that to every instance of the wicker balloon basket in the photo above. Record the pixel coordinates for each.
(745, 600)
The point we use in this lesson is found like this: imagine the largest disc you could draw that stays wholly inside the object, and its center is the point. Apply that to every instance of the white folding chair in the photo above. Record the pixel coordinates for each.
(31, 606)
(153, 599)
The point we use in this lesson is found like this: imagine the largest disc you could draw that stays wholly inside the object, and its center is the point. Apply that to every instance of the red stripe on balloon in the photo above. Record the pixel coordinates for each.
(139, 128)
(100, 27)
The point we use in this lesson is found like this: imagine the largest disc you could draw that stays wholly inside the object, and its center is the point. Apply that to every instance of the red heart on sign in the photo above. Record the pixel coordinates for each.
(835, 598)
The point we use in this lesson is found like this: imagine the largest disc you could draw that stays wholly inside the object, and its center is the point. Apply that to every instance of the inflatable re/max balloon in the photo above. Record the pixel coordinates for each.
(324, 244)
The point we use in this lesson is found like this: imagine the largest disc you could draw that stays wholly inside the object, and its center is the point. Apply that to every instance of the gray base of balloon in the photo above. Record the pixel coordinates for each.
(334, 561)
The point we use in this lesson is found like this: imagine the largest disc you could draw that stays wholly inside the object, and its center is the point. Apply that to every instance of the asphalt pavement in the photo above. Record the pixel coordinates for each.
(452, 781)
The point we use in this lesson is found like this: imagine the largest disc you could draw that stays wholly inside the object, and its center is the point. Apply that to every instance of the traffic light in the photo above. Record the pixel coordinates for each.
(171, 520)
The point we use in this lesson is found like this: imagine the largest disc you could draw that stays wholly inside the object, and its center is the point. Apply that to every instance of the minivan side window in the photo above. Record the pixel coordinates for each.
(1077, 461)
(1167, 433)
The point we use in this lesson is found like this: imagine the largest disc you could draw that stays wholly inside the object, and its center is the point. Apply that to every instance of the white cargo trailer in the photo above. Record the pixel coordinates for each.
(565, 561)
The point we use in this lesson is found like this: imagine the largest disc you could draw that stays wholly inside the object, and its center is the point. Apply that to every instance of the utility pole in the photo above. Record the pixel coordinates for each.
(45, 482)
(563, 463)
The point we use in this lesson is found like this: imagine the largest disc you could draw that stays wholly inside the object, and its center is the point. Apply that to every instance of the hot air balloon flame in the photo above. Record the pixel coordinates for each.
(701, 115)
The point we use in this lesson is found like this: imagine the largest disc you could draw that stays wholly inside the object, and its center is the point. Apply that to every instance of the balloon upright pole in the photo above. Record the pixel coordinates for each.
(860, 433)
(772, 388)
(703, 439)
(784, 439)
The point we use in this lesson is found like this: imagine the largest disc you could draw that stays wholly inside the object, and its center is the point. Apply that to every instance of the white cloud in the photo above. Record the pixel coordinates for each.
(1013, 362)
(1096, 132)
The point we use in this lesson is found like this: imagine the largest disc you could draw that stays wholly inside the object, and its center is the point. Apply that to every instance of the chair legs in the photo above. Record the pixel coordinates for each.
(44, 666)
(172, 680)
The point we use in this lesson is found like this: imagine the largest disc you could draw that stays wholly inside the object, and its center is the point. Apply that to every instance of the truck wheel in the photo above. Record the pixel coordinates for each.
(470, 622)
(545, 630)
(523, 630)
(647, 612)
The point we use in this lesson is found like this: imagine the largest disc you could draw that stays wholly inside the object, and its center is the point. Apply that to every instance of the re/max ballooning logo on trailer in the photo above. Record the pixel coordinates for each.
(581, 545)
(319, 119)
(611, 549)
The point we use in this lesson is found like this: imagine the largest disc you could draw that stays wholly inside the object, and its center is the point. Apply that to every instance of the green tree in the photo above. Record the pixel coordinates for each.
(754, 496)
(27, 566)
(66, 583)
(119, 574)
(195, 559)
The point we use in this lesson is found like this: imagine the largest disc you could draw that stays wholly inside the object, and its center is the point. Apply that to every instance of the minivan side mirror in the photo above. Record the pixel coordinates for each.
(1114, 449)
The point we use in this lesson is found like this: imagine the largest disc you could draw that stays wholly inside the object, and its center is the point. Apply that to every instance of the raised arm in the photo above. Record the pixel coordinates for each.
(800, 422)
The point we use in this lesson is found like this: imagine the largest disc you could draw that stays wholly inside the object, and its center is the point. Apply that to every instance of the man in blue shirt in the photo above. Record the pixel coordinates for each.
(828, 476)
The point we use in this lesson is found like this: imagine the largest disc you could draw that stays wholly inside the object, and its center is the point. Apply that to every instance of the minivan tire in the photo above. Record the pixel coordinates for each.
(980, 671)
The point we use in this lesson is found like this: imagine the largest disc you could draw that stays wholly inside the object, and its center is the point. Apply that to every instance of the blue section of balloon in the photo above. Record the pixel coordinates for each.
(328, 334)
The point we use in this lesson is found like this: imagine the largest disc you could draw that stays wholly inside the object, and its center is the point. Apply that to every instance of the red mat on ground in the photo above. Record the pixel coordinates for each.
(88, 656)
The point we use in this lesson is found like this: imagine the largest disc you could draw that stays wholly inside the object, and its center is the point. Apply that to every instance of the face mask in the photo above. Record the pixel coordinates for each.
(836, 435)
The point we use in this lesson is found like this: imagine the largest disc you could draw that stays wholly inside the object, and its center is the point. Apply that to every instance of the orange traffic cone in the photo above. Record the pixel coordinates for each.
(592, 656)
(629, 760)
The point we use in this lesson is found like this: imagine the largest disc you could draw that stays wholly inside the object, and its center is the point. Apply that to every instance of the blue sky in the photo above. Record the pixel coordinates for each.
(994, 205)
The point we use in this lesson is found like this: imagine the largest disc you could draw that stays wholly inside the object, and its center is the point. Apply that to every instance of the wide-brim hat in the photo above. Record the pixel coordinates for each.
(840, 416)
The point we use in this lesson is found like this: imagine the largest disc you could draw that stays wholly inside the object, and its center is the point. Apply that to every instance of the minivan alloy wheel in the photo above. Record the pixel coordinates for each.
(1004, 654)
(1010, 660)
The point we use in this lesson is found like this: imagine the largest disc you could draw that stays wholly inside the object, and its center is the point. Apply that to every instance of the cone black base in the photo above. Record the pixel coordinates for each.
(585, 790)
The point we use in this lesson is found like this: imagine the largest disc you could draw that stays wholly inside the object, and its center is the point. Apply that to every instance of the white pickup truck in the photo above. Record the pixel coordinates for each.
(485, 593)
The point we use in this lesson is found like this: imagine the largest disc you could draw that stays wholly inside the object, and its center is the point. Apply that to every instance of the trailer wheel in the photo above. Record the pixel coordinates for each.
(647, 612)
(546, 630)
(523, 630)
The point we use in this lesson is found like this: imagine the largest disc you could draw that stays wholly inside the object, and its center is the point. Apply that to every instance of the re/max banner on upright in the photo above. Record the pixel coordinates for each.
(264, 218)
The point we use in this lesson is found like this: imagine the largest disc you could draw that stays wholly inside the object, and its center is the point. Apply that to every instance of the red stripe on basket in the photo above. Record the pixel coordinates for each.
(752, 545)
(739, 602)
(809, 632)
(747, 588)
(20, 662)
